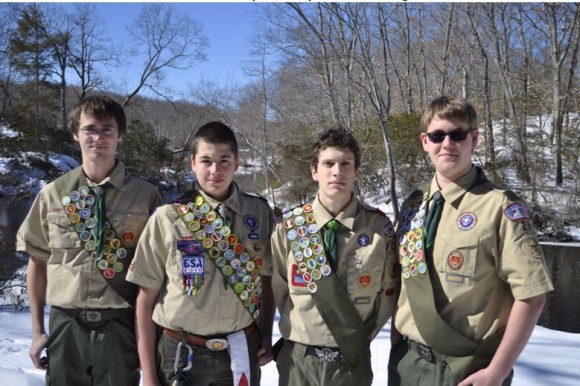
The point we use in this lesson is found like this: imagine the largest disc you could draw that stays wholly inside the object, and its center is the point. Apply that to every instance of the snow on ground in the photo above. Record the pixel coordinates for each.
(550, 358)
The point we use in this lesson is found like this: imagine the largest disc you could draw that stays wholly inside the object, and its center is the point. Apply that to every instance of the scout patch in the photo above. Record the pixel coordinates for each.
(455, 260)
(361, 300)
(364, 279)
(454, 278)
(193, 273)
(466, 221)
(250, 222)
(534, 247)
(516, 212)
(363, 240)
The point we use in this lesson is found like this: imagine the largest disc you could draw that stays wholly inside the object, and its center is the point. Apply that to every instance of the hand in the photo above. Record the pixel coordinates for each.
(38, 344)
(484, 377)
(265, 354)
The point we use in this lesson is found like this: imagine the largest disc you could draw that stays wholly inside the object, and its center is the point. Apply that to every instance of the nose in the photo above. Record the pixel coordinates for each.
(336, 169)
(214, 167)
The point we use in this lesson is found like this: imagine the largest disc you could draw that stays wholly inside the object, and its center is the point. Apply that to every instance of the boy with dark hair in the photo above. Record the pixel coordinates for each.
(474, 276)
(335, 278)
(203, 267)
(80, 233)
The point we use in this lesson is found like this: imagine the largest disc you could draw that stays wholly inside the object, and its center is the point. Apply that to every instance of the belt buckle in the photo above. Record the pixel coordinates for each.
(217, 344)
(425, 353)
(91, 315)
(326, 354)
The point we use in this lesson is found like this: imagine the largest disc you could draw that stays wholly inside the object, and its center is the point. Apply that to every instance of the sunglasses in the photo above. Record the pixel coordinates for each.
(456, 135)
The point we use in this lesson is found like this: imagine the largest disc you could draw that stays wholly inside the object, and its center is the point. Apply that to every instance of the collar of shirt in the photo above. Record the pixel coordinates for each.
(232, 202)
(346, 217)
(456, 190)
(116, 178)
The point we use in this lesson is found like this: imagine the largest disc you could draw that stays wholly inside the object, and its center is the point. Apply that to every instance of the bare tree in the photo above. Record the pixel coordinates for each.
(167, 40)
(90, 48)
(500, 33)
(562, 21)
(472, 15)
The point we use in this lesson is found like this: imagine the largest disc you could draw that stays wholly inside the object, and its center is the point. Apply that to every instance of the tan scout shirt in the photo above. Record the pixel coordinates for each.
(216, 309)
(367, 268)
(483, 259)
(46, 233)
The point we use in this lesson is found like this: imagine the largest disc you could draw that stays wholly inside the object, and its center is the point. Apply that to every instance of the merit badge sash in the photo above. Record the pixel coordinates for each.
(78, 203)
(330, 297)
(306, 244)
(215, 239)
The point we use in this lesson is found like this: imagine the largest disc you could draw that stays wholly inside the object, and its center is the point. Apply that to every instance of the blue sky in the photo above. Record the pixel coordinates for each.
(227, 26)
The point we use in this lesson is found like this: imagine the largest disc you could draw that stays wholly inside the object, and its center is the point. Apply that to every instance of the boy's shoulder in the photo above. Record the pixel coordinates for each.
(253, 195)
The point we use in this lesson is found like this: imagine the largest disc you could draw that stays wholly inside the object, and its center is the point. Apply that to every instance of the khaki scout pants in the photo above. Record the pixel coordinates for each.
(91, 353)
(408, 368)
(296, 368)
(210, 368)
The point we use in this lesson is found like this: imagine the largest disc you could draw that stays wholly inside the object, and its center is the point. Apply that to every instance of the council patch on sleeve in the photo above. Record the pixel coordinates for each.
(516, 212)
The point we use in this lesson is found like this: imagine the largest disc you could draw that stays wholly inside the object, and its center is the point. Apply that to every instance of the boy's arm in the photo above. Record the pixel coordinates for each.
(520, 325)
(36, 286)
(147, 334)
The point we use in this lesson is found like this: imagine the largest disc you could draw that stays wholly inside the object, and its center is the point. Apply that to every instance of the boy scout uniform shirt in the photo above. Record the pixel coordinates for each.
(367, 268)
(73, 279)
(215, 309)
(483, 261)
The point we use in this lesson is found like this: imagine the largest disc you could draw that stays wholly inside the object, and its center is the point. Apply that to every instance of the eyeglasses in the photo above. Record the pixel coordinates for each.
(456, 135)
(105, 132)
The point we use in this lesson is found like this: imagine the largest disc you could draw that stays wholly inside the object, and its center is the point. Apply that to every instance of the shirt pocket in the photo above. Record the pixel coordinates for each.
(128, 226)
(61, 234)
(365, 272)
(459, 256)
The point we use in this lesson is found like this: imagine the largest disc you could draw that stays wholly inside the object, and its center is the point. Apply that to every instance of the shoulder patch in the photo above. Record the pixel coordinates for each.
(517, 212)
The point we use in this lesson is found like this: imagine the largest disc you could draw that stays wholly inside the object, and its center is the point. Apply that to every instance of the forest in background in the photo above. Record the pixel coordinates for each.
(369, 67)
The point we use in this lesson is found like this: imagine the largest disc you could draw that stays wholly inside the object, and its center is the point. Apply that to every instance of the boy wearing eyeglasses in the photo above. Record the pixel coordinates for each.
(81, 232)
(474, 276)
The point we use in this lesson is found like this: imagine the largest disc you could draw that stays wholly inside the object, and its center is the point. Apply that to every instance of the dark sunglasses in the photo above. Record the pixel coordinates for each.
(456, 135)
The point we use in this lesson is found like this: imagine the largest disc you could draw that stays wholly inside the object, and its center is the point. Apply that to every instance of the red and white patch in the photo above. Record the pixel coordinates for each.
(455, 260)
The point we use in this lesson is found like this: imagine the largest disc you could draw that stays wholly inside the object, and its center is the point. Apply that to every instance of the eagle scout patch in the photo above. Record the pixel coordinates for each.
(516, 212)
(466, 221)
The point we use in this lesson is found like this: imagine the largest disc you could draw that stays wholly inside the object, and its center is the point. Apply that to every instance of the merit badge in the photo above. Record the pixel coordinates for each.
(455, 260)
(363, 240)
(364, 279)
(516, 212)
(307, 208)
(289, 223)
(250, 222)
(466, 221)
(312, 287)
(128, 237)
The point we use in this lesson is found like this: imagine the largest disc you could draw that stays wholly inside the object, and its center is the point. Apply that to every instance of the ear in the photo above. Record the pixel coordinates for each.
(237, 163)
(76, 137)
(474, 139)
(314, 173)
(192, 158)
(424, 140)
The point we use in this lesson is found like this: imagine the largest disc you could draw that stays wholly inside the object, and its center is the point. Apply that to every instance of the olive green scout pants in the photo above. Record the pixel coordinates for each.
(91, 353)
